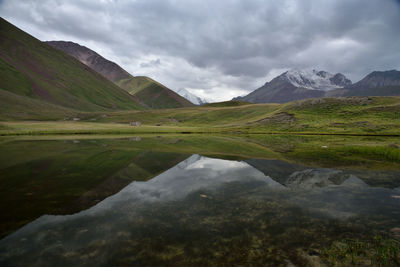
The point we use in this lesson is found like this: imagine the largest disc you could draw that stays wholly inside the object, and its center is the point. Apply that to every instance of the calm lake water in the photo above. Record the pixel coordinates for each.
(194, 201)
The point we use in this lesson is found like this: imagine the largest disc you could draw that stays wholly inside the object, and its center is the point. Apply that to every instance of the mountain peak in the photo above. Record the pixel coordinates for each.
(315, 79)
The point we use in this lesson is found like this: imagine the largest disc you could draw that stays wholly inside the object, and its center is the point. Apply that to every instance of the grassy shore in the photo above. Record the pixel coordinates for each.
(368, 116)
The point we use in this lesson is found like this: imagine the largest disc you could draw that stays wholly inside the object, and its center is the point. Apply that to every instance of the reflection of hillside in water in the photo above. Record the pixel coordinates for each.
(204, 206)
(67, 176)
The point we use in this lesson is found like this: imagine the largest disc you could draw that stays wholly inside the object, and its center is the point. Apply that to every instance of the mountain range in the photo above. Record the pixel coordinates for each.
(301, 84)
(149, 92)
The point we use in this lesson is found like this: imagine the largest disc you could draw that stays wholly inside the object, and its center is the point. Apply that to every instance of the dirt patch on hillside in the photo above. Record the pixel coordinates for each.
(278, 118)
(339, 101)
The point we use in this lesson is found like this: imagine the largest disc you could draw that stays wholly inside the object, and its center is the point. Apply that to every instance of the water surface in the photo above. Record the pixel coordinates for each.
(158, 201)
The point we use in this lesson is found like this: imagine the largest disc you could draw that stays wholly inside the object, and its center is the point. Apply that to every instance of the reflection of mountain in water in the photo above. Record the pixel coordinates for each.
(208, 209)
(296, 175)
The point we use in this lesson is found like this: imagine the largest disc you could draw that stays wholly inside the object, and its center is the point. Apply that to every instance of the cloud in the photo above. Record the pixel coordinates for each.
(222, 48)
(151, 64)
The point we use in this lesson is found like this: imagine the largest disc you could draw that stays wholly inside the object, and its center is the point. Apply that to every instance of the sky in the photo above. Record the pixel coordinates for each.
(225, 48)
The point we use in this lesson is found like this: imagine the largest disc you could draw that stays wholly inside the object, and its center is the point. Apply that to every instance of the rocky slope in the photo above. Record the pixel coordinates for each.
(107, 68)
(377, 83)
(295, 85)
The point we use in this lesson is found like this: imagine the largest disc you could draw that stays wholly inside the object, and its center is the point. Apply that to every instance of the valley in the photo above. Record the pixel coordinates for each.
(114, 152)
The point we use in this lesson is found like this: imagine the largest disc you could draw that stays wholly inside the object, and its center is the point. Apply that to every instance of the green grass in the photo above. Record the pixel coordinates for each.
(16, 107)
(330, 116)
(136, 84)
(376, 252)
(343, 116)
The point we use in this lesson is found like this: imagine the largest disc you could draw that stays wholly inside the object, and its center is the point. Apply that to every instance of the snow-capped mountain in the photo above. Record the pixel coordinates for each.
(191, 97)
(297, 84)
(315, 80)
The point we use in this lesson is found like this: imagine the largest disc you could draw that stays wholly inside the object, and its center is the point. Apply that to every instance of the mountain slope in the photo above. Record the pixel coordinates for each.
(32, 69)
(149, 92)
(107, 68)
(296, 85)
(377, 83)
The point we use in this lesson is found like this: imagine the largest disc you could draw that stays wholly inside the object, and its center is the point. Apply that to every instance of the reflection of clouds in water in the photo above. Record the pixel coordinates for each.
(192, 174)
(216, 164)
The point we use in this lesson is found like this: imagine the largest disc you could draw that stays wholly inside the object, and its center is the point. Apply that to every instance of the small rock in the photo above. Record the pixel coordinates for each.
(393, 145)
(135, 123)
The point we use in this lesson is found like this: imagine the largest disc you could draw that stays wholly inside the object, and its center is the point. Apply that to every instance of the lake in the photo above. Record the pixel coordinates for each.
(197, 200)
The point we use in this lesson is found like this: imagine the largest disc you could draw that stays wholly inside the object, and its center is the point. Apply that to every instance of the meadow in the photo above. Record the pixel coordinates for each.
(373, 116)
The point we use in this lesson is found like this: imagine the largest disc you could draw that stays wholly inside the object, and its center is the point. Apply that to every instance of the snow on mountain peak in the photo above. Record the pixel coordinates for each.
(191, 97)
(316, 80)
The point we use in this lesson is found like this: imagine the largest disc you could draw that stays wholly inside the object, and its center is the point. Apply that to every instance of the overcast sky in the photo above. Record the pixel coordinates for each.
(221, 48)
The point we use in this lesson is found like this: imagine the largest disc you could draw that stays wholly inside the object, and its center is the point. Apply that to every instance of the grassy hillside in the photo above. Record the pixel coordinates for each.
(135, 84)
(153, 94)
(34, 70)
(17, 107)
(352, 116)
(148, 92)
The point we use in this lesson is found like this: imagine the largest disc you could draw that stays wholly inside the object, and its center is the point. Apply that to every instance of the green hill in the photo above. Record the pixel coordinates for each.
(152, 93)
(147, 91)
(36, 75)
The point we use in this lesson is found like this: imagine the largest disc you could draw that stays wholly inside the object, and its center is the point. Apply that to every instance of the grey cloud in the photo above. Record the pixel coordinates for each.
(151, 63)
(242, 39)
